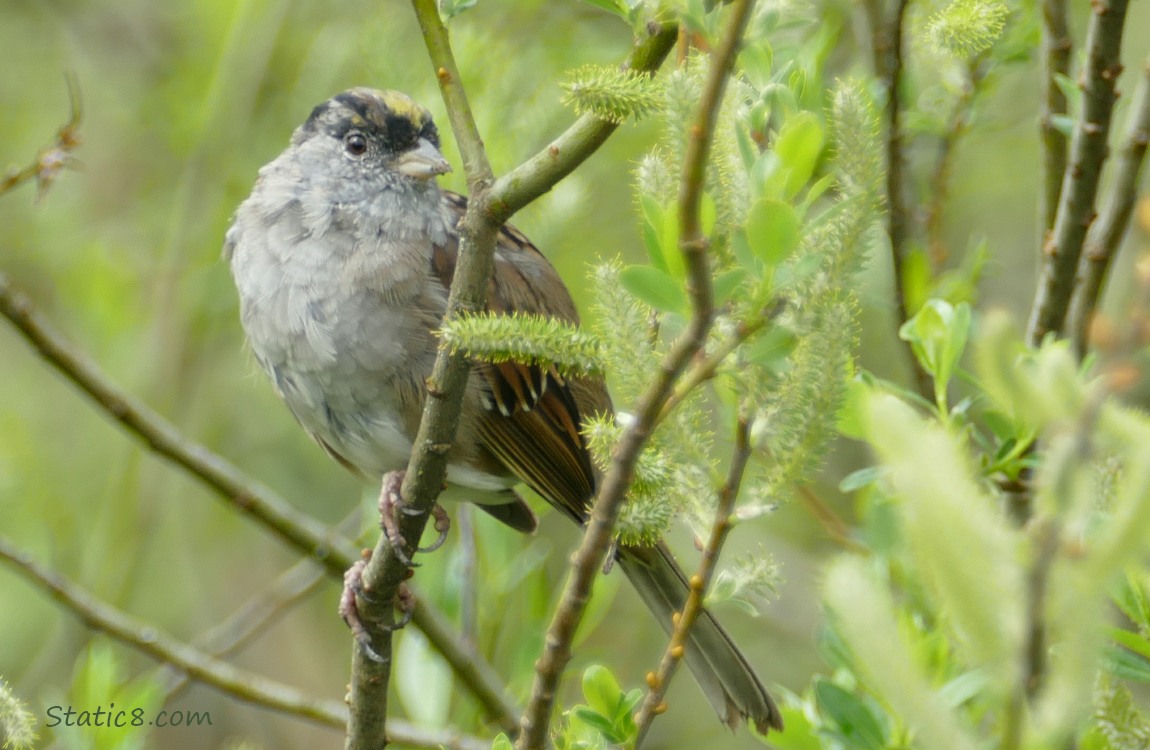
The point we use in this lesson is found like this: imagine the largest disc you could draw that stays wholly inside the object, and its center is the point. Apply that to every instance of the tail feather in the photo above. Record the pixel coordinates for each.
(728, 681)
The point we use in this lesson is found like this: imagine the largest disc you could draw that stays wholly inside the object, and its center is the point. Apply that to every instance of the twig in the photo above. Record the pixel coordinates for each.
(1080, 185)
(252, 498)
(659, 681)
(1056, 48)
(238, 683)
(427, 467)
(588, 559)
(489, 206)
(1105, 237)
(55, 158)
(705, 369)
(538, 174)
(257, 613)
(898, 212)
(940, 177)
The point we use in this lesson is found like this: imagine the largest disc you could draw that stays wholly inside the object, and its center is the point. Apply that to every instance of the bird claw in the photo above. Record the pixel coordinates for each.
(391, 503)
(349, 608)
(442, 525)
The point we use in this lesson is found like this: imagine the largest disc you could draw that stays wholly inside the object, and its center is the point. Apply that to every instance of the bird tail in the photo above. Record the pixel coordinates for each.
(731, 686)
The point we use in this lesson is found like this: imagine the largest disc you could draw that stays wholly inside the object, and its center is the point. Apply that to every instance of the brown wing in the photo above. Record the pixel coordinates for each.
(532, 415)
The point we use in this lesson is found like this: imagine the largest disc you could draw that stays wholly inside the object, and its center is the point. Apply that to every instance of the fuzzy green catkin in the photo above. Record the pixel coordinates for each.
(1117, 718)
(966, 28)
(864, 614)
(17, 724)
(531, 339)
(965, 548)
(611, 94)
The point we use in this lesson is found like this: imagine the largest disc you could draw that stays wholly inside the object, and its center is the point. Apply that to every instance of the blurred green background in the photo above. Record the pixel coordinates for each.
(182, 102)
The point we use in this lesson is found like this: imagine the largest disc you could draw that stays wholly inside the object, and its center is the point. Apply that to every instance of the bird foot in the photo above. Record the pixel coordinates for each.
(391, 503)
(353, 588)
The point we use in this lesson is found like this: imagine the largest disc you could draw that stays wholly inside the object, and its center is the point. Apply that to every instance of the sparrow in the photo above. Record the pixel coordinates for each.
(342, 256)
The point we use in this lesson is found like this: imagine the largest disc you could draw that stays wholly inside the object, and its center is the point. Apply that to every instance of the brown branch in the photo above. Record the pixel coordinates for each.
(53, 159)
(588, 559)
(427, 467)
(228, 679)
(257, 613)
(1105, 237)
(660, 680)
(898, 210)
(1056, 49)
(269, 510)
(939, 190)
(489, 206)
(538, 174)
(1088, 153)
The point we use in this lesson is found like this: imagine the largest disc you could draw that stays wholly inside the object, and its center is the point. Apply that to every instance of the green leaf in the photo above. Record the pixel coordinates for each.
(449, 9)
(856, 480)
(655, 287)
(798, 147)
(772, 348)
(853, 719)
(601, 689)
(1126, 664)
(729, 282)
(772, 231)
(502, 742)
(596, 721)
(938, 334)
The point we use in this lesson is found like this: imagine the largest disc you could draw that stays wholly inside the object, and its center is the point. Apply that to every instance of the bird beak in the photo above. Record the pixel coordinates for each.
(422, 162)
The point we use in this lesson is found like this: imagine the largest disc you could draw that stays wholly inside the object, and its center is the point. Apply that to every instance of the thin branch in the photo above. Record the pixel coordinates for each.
(939, 190)
(228, 679)
(588, 559)
(427, 467)
(898, 211)
(706, 368)
(659, 681)
(428, 464)
(1105, 237)
(53, 159)
(1088, 153)
(257, 613)
(538, 174)
(269, 510)
(1056, 49)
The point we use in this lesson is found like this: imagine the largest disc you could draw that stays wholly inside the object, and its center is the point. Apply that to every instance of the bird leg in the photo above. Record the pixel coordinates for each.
(391, 503)
(349, 608)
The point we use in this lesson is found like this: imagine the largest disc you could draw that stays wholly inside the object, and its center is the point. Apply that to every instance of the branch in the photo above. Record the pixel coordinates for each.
(1056, 48)
(1105, 237)
(898, 216)
(588, 559)
(251, 498)
(51, 160)
(1080, 184)
(427, 468)
(257, 613)
(940, 178)
(538, 174)
(230, 680)
(659, 681)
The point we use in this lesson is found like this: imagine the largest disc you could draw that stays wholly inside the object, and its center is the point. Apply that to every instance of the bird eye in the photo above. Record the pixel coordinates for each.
(355, 143)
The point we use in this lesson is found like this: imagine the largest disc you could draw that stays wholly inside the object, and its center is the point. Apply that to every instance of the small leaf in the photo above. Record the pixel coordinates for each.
(856, 480)
(655, 287)
(772, 348)
(853, 719)
(601, 689)
(772, 231)
(501, 742)
(798, 147)
(596, 721)
(729, 282)
(449, 9)
(1126, 664)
